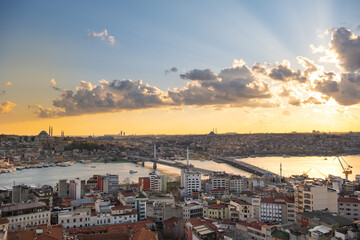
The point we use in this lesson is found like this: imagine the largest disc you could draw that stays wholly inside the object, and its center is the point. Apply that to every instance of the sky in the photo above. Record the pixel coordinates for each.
(179, 67)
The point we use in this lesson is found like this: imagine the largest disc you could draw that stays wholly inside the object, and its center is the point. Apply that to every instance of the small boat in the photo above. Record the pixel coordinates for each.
(93, 166)
(132, 171)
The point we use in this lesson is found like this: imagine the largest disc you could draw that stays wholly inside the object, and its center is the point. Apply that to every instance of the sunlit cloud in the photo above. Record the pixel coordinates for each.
(102, 36)
(5, 84)
(53, 82)
(6, 107)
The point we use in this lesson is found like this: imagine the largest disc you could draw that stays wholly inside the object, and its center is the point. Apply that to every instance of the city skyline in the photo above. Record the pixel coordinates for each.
(179, 68)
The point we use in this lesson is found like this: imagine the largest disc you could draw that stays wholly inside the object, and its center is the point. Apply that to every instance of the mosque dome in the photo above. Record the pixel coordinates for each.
(43, 134)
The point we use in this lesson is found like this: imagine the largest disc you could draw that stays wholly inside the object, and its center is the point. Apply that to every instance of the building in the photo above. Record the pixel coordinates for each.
(83, 217)
(349, 207)
(240, 210)
(136, 200)
(254, 230)
(217, 211)
(24, 215)
(161, 211)
(77, 188)
(144, 183)
(277, 209)
(317, 218)
(220, 180)
(62, 188)
(190, 181)
(314, 198)
(192, 210)
(157, 182)
(20, 194)
(201, 228)
(237, 184)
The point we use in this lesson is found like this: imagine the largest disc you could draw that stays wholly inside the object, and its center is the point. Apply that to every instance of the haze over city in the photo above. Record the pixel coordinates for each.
(164, 67)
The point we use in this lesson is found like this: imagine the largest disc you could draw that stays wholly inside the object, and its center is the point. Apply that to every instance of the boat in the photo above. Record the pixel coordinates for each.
(93, 166)
(132, 171)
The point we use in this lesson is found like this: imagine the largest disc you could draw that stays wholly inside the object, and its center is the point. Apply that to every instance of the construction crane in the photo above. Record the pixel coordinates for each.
(306, 173)
(346, 170)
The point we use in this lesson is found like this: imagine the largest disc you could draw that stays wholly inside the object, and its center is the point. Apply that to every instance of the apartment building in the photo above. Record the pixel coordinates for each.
(136, 200)
(24, 215)
(277, 209)
(349, 207)
(240, 210)
(218, 211)
(310, 198)
(191, 181)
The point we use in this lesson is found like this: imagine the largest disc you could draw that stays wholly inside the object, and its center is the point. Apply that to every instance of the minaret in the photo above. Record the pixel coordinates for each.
(187, 157)
(154, 165)
(280, 171)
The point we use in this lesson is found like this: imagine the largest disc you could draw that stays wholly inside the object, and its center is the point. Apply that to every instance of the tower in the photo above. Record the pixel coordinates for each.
(280, 171)
(187, 157)
(154, 165)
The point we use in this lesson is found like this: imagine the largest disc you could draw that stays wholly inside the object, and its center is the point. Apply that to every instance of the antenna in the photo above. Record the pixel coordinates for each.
(280, 170)
(154, 150)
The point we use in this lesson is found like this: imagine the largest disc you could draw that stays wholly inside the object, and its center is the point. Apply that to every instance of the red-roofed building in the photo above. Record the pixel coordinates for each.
(174, 228)
(255, 230)
(201, 228)
(144, 183)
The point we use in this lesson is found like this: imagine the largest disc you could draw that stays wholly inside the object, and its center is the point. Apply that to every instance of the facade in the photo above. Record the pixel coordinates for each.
(157, 182)
(314, 198)
(26, 215)
(144, 183)
(62, 188)
(349, 207)
(83, 217)
(217, 211)
(192, 210)
(220, 180)
(161, 211)
(237, 184)
(136, 200)
(191, 181)
(77, 188)
(240, 210)
(20, 194)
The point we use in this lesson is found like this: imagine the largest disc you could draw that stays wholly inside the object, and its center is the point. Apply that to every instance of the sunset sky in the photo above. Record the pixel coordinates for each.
(179, 67)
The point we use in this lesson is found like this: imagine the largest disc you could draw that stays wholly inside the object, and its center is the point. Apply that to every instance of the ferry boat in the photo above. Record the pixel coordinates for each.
(132, 171)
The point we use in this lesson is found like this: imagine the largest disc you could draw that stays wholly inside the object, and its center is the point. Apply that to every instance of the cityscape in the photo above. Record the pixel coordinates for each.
(124, 120)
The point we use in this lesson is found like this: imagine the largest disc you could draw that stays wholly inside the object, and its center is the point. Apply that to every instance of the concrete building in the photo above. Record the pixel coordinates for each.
(144, 183)
(158, 182)
(77, 188)
(349, 207)
(312, 198)
(24, 215)
(161, 211)
(237, 184)
(217, 211)
(136, 200)
(192, 210)
(82, 217)
(277, 209)
(62, 188)
(220, 180)
(20, 194)
(191, 181)
(240, 210)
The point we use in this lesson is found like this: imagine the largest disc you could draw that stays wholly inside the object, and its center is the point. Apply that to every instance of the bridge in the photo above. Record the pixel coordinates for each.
(230, 161)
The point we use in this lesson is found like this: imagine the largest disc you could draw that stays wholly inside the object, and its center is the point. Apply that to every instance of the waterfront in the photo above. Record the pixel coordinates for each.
(290, 166)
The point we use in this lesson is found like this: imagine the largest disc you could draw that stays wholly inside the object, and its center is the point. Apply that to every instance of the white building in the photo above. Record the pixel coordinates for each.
(26, 215)
(192, 210)
(238, 184)
(157, 182)
(82, 217)
(136, 200)
(220, 180)
(77, 188)
(277, 209)
(191, 181)
(240, 210)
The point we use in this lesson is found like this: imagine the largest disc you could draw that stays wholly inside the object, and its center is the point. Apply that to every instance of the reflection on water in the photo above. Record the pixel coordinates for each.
(290, 166)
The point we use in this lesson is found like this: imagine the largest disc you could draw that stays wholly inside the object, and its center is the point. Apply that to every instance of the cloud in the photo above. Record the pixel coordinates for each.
(200, 75)
(283, 72)
(312, 100)
(53, 82)
(234, 87)
(7, 84)
(173, 69)
(258, 68)
(6, 107)
(346, 46)
(294, 101)
(102, 36)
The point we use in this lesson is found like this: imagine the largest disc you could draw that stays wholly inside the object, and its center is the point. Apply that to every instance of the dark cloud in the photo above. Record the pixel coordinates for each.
(201, 75)
(282, 72)
(234, 87)
(258, 68)
(294, 101)
(346, 45)
(312, 100)
(173, 69)
(308, 64)
(345, 92)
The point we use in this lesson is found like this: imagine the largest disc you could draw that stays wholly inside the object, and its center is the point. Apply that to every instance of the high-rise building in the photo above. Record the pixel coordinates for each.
(144, 183)
(20, 193)
(191, 181)
(157, 182)
(77, 188)
(62, 188)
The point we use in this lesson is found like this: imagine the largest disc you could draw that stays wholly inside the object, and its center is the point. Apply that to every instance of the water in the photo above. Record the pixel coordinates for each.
(290, 166)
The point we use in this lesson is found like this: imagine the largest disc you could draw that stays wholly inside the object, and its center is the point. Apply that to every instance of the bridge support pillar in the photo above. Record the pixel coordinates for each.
(143, 163)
